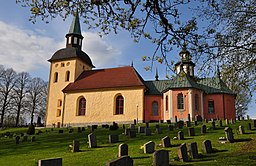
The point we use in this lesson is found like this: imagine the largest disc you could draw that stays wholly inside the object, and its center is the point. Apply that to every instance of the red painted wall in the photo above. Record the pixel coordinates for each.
(149, 99)
(224, 106)
(184, 113)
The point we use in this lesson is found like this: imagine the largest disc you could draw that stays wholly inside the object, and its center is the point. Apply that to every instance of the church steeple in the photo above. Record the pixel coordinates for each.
(74, 36)
(185, 64)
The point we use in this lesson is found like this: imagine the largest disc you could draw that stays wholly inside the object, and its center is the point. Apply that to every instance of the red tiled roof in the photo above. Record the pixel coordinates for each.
(106, 78)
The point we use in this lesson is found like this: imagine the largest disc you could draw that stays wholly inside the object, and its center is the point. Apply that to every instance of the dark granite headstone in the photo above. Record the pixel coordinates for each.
(180, 135)
(113, 138)
(182, 153)
(92, 140)
(149, 147)
(121, 161)
(123, 150)
(203, 129)
(161, 158)
(192, 148)
(191, 131)
(229, 134)
(75, 147)
(207, 146)
(166, 142)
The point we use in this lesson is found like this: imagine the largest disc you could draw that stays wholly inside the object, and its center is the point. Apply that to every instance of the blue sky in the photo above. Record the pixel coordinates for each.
(27, 47)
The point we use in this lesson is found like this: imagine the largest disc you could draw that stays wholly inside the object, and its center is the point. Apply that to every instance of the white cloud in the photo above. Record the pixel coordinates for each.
(102, 53)
(24, 50)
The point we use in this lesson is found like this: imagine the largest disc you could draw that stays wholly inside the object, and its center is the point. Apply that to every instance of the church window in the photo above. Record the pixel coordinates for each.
(75, 40)
(196, 102)
(67, 76)
(69, 40)
(80, 42)
(59, 103)
(210, 107)
(82, 107)
(62, 64)
(155, 108)
(55, 79)
(119, 105)
(166, 103)
(180, 101)
(58, 112)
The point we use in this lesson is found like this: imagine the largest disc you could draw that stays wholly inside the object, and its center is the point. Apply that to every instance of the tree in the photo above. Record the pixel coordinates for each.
(8, 78)
(35, 96)
(20, 91)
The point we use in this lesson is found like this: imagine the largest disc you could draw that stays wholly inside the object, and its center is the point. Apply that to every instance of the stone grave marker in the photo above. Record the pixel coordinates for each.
(148, 132)
(168, 121)
(122, 150)
(50, 162)
(242, 118)
(149, 147)
(198, 118)
(113, 138)
(227, 122)
(170, 127)
(192, 148)
(166, 142)
(92, 140)
(213, 125)
(132, 133)
(121, 161)
(132, 126)
(238, 118)
(182, 153)
(176, 119)
(180, 135)
(79, 130)
(75, 147)
(249, 126)
(33, 139)
(191, 131)
(83, 128)
(189, 118)
(141, 129)
(134, 121)
(147, 124)
(203, 129)
(124, 126)
(207, 146)
(161, 158)
(220, 123)
(195, 122)
(61, 131)
(159, 130)
(17, 140)
(126, 131)
(241, 129)
(206, 120)
(229, 134)
(25, 138)
(188, 124)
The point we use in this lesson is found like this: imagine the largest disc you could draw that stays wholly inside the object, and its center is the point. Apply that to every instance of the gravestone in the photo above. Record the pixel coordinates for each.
(148, 132)
(180, 135)
(198, 118)
(168, 121)
(227, 122)
(238, 118)
(141, 129)
(213, 125)
(75, 147)
(134, 121)
(149, 147)
(17, 140)
(195, 123)
(33, 139)
(92, 140)
(50, 162)
(124, 126)
(192, 148)
(122, 150)
(254, 123)
(132, 126)
(147, 124)
(61, 131)
(191, 131)
(126, 131)
(170, 127)
(207, 146)
(132, 133)
(229, 134)
(232, 121)
(121, 161)
(206, 120)
(159, 130)
(242, 118)
(249, 126)
(113, 138)
(182, 153)
(189, 118)
(241, 129)
(220, 123)
(176, 119)
(188, 124)
(203, 129)
(166, 142)
(83, 128)
(25, 138)
(161, 158)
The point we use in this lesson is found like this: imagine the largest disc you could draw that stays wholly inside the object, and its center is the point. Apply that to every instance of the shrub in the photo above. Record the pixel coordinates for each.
(31, 130)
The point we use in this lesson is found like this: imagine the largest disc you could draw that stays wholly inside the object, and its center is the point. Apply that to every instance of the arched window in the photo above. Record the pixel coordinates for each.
(119, 105)
(166, 103)
(196, 102)
(56, 75)
(155, 108)
(180, 101)
(67, 76)
(82, 107)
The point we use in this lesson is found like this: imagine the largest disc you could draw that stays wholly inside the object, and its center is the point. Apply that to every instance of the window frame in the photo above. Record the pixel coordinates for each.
(155, 112)
(211, 107)
(81, 106)
(119, 105)
(180, 101)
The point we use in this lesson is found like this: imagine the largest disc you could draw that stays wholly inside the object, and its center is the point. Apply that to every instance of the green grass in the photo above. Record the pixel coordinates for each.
(52, 144)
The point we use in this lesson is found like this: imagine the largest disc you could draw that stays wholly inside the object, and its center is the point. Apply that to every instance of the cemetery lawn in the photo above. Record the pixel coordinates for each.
(52, 144)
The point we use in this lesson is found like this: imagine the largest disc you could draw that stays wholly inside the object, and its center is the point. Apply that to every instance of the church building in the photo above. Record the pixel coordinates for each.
(80, 95)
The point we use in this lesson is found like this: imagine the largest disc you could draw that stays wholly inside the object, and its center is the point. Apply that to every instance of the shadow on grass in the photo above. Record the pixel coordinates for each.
(218, 151)
(249, 133)
(105, 146)
(140, 157)
(175, 145)
(243, 140)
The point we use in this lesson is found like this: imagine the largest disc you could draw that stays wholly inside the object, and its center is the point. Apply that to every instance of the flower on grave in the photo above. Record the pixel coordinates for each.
(142, 147)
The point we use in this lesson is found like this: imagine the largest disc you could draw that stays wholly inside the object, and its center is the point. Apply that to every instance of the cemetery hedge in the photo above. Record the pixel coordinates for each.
(52, 144)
